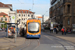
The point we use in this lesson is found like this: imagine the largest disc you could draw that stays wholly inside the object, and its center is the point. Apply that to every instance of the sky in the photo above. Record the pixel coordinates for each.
(39, 7)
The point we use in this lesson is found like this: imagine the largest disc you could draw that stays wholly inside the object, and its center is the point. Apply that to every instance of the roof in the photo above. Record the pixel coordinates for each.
(9, 4)
(2, 13)
(39, 16)
(5, 5)
(24, 11)
(32, 18)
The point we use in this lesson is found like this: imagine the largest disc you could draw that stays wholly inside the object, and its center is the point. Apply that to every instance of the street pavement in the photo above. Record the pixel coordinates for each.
(46, 42)
(2, 34)
(69, 36)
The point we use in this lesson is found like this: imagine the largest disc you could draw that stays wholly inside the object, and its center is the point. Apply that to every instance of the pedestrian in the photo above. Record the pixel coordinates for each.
(54, 29)
(9, 32)
(62, 30)
(65, 31)
(23, 32)
(57, 30)
(50, 30)
(13, 32)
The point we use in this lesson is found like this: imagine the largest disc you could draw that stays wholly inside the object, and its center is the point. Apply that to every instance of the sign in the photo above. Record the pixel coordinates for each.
(51, 25)
(13, 17)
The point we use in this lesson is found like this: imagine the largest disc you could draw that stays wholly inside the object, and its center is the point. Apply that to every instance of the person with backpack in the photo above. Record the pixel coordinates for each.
(62, 30)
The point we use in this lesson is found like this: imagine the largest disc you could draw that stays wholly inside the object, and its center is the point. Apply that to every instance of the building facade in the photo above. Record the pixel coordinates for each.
(22, 16)
(5, 8)
(12, 15)
(4, 17)
(38, 17)
(62, 12)
(42, 18)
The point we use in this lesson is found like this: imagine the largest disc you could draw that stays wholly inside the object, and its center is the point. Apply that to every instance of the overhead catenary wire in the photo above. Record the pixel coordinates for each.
(20, 2)
(32, 4)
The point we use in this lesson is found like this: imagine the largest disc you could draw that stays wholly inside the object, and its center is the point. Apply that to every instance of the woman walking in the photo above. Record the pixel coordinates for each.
(62, 30)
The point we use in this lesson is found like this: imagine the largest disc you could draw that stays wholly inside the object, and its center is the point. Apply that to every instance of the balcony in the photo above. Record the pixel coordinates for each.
(69, 1)
(53, 1)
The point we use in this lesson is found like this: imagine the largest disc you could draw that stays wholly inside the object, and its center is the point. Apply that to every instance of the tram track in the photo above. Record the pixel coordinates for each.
(32, 46)
(29, 44)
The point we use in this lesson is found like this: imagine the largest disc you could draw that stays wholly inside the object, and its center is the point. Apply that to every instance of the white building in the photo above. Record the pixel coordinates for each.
(40, 17)
(12, 15)
(6, 8)
(22, 16)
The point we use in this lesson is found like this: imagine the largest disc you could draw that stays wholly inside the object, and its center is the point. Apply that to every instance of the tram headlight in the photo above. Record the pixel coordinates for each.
(27, 33)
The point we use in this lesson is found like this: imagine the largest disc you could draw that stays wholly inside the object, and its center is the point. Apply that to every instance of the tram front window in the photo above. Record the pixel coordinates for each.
(33, 27)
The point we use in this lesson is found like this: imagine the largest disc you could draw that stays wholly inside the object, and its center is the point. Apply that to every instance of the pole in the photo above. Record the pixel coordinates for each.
(42, 18)
(15, 34)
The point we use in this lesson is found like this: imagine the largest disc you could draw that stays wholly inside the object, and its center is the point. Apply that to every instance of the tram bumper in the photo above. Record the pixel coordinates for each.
(33, 36)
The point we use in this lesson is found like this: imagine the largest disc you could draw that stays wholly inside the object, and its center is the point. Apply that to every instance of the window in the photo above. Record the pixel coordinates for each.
(28, 15)
(22, 18)
(28, 11)
(25, 11)
(10, 18)
(68, 21)
(33, 27)
(19, 11)
(19, 19)
(22, 11)
(1, 19)
(19, 14)
(22, 22)
(5, 19)
(24, 15)
(32, 16)
(68, 8)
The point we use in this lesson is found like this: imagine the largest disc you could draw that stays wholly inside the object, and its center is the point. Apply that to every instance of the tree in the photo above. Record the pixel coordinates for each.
(5, 25)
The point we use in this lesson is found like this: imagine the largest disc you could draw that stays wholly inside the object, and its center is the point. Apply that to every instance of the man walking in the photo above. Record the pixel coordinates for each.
(57, 30)
(65, 31)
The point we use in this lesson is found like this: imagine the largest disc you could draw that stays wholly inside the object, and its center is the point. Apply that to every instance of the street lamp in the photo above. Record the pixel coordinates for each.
(43, 17)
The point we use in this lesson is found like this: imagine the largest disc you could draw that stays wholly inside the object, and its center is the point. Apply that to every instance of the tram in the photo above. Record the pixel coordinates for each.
(33, 28)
